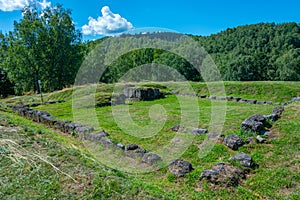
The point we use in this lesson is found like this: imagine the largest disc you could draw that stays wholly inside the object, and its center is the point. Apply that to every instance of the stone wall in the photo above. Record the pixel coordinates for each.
(86, 133)
(228, 98)
(142, 94)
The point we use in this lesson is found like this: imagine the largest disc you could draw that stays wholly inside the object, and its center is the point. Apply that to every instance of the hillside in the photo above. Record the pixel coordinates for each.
(258, 52)
(41, 162)
(265, 51)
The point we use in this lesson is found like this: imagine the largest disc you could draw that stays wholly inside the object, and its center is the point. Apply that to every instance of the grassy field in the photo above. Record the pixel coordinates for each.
(39, 163)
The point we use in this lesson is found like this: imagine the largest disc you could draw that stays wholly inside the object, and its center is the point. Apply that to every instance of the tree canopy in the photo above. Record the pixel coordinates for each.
(265, 51)
(44, 46)
(258, 52)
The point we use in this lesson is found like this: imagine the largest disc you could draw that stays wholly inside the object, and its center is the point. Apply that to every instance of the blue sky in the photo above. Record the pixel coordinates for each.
(189, 16)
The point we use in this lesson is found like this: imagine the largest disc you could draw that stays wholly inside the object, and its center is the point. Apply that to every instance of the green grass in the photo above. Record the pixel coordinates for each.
(276, 178)
(263, 91)
(139, 112)
(37, 163)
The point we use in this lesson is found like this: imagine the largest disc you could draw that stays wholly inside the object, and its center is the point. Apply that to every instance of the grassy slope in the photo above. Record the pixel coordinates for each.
(277, 176)
(38, 163)
(264, 91)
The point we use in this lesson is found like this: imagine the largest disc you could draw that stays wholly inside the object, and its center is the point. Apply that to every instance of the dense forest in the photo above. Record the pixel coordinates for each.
(256, 52)
(259, 52)
(46, 46)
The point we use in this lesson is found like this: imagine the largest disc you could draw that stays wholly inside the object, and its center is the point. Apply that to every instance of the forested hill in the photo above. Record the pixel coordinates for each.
(263, 51)
(258, 52)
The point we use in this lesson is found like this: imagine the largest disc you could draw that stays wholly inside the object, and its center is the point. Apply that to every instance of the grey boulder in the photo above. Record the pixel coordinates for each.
(96, 136)
(278, 110)
(224, 174)
(83, 130)
(245, 160)
(272, 117)
(176, 128)
(131, 147)
(233, 142)
(199, 131)
(255, 123)
(180, 167)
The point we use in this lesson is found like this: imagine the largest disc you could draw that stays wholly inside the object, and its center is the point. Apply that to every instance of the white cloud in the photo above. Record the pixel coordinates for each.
(108, 24)
(11, 5)
(44, 4)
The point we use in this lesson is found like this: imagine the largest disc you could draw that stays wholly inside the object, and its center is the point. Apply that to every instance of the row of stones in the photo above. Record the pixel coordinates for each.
(225, 173)
(46, 103)
(240, 100)
(178, 167)
(256, 123)
(228, 98)
(229, 175)
(222, 173)
(86, 133)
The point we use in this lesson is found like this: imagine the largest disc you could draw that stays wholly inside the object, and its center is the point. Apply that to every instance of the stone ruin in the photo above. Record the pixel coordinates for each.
(234, 99)
(86, 133)
(136, 94)
(45, 118)
(224, 174)
(221, 174)
(180, 167)
(258, 123)
(142, 94)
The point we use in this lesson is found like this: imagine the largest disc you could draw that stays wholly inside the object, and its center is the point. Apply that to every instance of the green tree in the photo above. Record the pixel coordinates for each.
(23, 48)
(44, 46)
(63, 52)
(289, 66)
(264, 51)
(6, 87)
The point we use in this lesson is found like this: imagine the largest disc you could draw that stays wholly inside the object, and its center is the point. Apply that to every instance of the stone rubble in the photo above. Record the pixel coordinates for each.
(180, 167)
(224, 174)
(233, 142)
(245, 160)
